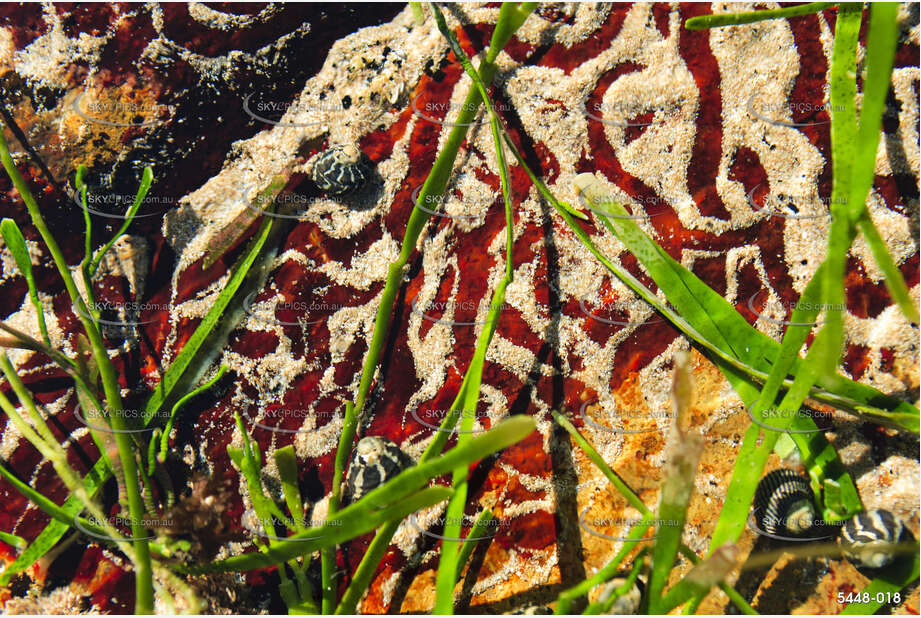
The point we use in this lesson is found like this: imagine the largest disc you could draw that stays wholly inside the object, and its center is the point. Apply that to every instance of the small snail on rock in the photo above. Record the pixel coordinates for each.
(376, 461)
(868, 538)
(341, 169)
(784, 504)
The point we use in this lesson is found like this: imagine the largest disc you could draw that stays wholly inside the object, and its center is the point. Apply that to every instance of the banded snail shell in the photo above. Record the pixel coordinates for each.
(376, 461)
(868, 538)
(784, 504)
(341, 169)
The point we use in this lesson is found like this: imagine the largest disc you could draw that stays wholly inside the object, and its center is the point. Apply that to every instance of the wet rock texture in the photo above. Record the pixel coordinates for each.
(710, 135)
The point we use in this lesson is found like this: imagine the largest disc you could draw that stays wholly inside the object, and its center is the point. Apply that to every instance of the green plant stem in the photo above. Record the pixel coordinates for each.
(836, 391)
(143, 574)
(87, 245)
(66, 517)
(339, 529)
(189, 353)
(249, 460)
(634, 500)
(12, 235)
(164, 438)
(881, 44)
(843, 91)
(240, 271)
(565, 599)
(734, 19)
(366, 568)
(28, 404)
(375, 552)
(49, 507)
(286, 462)
(479, 532)
(435, 184)
(71, 368)
(87, 220)
(87, 242)
(14, 541)
(898, 289)
(87, 400)
(56, 529)
(603, 606)
(391, 501)
(39, 435)
(853, 163)
(703, 577)
(418, 15)
(55, 454)
(449, 563)
(146, 181)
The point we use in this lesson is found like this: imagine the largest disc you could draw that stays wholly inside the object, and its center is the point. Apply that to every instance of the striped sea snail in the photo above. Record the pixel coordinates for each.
(375, 461)
(868, 538)
(784, 504)
(341, 169)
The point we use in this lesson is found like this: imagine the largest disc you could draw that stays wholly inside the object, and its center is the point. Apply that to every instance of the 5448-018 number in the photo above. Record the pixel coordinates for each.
(865, 597)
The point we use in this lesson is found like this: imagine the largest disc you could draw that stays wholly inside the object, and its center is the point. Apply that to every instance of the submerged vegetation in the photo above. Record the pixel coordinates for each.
(767, 375)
